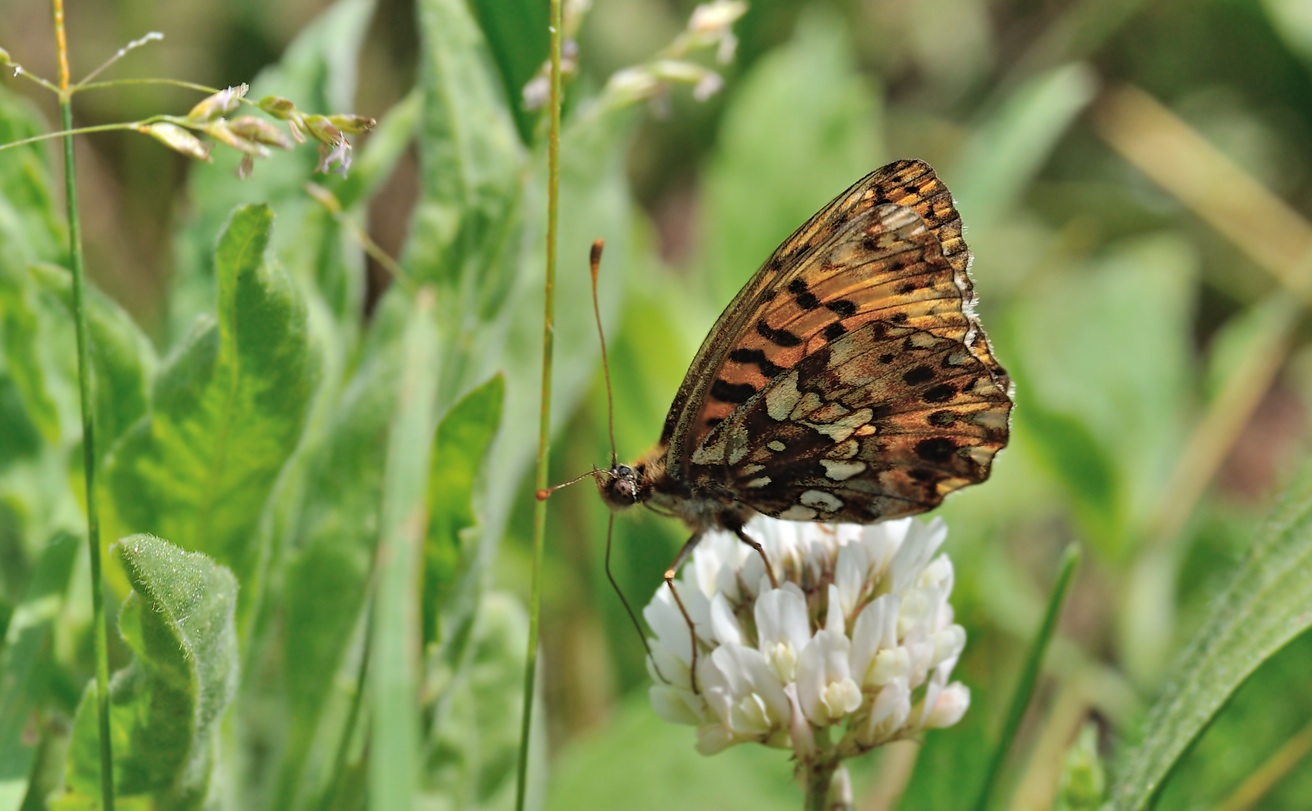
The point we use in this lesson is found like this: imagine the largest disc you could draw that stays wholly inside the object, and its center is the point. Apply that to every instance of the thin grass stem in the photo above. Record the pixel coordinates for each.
(99, 622)
(1029, 675)
(544, 414)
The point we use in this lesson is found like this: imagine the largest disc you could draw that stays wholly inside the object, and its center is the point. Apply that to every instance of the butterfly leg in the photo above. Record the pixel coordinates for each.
(669, 581)
(747, 539)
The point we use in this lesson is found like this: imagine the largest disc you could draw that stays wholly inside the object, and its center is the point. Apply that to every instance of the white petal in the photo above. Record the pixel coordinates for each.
(873, 631)
(835, 620)
(677, 706)
(712, 738)
(951, 705)
(824, 660)
(888, 713)
(783, 628)
(724, 625)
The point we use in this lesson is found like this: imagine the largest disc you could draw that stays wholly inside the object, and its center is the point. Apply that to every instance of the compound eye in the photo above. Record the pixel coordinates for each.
(623, 471)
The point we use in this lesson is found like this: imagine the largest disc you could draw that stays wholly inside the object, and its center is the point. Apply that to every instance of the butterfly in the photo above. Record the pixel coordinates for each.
(849, 380)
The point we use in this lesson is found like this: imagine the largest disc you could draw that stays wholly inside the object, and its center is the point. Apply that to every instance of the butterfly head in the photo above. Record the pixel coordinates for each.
(623, 486)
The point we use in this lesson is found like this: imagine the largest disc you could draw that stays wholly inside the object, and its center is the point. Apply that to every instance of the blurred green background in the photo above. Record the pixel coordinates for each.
(1135, 179)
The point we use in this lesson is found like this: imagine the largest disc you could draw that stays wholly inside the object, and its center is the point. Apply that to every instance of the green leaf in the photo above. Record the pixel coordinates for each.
(31, 221)
(1006, 153)
(1262, 609)
(518, 37)
(471, 761)
(459, 450)
(755, 195)
(471, 174)
(227, 411)
(395, 625)
(327, 571)
(122, 358)
(1124, 322)
(165, 705)
(25, 664)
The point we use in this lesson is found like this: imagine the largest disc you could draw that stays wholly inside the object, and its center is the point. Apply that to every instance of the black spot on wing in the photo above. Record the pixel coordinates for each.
(727, 392)
(942, 419)
(803, 295)
(755, 356)
(938, 394)
(841, 308)
(835, 331)
(918, 375)
(936, 450)
(778, 337)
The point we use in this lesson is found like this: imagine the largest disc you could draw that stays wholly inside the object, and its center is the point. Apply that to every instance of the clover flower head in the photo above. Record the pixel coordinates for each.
(854, 649)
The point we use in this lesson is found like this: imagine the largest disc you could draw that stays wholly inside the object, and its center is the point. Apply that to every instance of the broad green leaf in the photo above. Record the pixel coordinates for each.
(1123, 321)
(1073, 456)
(122, 358)
(34, 356)
(1264, 606)
(326, 575)
(1008, 150)
(471, 761)
(451, 571)
(466, 224)
(755, 194)
(227, 411)
(518, 37)
(31, 223)
(25, 666)
(165, 705)
(395, 625)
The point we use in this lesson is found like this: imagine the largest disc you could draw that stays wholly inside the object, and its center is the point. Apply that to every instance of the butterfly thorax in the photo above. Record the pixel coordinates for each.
(647, 481)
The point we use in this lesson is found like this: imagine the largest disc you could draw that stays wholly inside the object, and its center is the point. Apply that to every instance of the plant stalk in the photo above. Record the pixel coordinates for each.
(544, 414)
(99, 621)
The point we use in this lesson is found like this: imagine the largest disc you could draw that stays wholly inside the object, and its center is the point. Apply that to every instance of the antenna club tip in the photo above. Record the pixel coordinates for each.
(543, 494)
(597, 245)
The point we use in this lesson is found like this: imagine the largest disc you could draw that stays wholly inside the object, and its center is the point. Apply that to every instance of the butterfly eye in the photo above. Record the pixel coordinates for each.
(624, 487)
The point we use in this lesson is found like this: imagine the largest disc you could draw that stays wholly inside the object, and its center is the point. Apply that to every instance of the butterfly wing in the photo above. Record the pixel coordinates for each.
(886, 252)
(879, 423)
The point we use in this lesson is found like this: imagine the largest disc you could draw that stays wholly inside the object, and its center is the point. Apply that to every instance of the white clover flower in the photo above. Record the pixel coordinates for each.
(854, 649)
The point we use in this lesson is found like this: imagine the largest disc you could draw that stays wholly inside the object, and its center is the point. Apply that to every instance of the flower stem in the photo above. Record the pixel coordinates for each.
(819, 777)
(99, 622)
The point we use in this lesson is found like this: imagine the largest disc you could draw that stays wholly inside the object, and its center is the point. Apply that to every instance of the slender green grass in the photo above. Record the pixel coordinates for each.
(544, 415)
(99, 622)
(1029, 675)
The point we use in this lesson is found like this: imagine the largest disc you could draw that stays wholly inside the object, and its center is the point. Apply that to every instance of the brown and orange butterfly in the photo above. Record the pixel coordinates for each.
(849, 381)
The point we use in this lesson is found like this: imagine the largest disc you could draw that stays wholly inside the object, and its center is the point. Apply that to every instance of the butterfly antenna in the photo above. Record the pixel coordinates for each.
(545, 493)
(595, 264)
(610, 531)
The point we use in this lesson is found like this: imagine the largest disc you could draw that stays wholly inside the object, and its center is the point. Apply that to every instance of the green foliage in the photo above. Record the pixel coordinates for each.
(1262, 609)
(339, 461)
(165, 706)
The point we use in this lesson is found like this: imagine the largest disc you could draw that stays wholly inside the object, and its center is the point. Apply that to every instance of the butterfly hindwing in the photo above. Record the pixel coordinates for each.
(882, 422)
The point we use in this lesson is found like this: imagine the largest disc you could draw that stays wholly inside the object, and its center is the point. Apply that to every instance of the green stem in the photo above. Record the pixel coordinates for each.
(544, 414)
(819, 778)
(99, 622)
(1029, 674)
